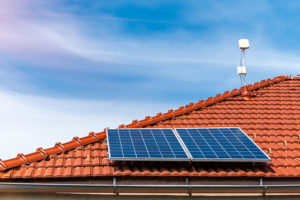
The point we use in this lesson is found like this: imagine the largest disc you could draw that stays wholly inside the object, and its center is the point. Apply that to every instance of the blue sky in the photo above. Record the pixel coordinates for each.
(68, 67)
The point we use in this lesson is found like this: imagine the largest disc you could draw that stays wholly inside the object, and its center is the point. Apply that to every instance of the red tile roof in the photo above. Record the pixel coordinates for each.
(271, 119)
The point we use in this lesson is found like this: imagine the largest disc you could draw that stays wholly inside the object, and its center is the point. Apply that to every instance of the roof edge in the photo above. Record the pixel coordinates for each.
(41, 153)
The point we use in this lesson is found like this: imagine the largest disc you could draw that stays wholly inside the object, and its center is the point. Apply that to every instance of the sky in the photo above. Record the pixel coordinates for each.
(68, 67)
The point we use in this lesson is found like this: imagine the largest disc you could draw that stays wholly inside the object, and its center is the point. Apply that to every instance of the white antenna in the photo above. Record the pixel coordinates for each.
(243, 44)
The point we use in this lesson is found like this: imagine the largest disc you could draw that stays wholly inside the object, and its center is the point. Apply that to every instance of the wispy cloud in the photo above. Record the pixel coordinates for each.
(30, 36)
(28, 122)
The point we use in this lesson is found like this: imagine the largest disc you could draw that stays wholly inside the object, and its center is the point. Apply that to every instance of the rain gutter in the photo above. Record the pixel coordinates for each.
(116, 189)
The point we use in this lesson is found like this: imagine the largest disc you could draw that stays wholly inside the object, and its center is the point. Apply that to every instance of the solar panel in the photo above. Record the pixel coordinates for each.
(220, 144)
(145, 144)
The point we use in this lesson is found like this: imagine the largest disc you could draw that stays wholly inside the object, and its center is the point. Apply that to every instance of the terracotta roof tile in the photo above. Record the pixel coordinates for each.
(68, 171)
(97, 171)
(19, 173)
(28, 172)
(38, 172)
(78, 171)
(95, 161)
(48, 172)
(87, 171)
(6, 174)
(58, 171)
(59, 162)
(78, 161)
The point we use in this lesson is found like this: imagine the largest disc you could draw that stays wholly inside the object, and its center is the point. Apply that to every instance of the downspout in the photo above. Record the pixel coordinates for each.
(115, 186)
(261, 183)
(189, 186)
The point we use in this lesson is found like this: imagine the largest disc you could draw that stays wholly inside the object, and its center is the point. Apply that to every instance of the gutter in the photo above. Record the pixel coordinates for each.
(115, 189)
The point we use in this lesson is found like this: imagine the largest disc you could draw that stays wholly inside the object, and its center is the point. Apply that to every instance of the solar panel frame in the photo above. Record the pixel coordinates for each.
(123, 158)
(222, 159)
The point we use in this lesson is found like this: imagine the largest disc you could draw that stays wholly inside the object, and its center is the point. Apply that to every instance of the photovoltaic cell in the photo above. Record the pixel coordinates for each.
(145, 144)
(220, 144)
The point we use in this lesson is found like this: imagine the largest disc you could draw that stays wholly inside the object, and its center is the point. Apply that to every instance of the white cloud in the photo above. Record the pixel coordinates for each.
(28, 122)
(27, 36)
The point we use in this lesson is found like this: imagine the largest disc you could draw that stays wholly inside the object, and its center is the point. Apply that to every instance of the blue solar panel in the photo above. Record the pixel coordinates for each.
(145, 144)
(220, 144)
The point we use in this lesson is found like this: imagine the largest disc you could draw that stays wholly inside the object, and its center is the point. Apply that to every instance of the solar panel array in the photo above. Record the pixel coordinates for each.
(144, 144)
(189, 144)
(220, 144)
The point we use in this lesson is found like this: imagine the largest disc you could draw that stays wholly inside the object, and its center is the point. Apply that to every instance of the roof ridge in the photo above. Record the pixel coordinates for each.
(41, 153)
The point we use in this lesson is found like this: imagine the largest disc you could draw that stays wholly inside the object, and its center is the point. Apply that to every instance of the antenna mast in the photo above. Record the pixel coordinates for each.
(243, 44)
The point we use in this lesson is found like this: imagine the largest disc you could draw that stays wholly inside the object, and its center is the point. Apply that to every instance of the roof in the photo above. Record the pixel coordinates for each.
(271, 118)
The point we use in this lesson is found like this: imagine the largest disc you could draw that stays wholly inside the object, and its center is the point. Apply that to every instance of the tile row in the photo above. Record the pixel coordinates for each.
(257, 111)
(276, 122)
(57, 172)
(64, 172)
(218, 116)
(270, 127)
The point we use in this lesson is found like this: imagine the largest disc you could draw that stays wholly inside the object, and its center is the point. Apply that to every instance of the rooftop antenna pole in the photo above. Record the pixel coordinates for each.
(243, 74)
(243, 44)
